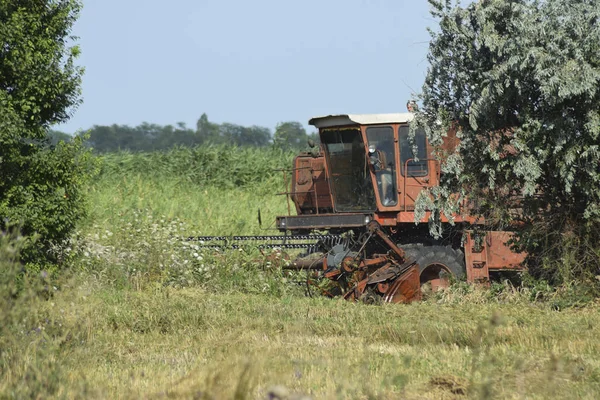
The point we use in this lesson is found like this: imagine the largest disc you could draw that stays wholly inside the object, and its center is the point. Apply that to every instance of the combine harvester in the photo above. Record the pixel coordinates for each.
(355, 212)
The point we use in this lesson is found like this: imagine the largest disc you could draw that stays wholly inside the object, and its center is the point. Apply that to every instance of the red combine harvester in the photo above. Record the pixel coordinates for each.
(355, 207)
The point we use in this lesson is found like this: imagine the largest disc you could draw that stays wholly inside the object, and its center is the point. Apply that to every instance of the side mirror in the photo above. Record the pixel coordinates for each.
(374, 158)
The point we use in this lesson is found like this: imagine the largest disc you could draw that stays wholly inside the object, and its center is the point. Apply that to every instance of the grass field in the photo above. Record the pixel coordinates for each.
(143, 314)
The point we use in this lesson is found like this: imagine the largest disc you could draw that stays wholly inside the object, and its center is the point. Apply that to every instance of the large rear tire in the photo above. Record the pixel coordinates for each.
(436, 264)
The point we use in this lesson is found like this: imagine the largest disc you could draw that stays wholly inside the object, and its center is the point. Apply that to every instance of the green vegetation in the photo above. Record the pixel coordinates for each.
(144, 313)
(150, 137)
(103, 342)
(520, 82)
(40, 188)
(198, 186)
(291, 135)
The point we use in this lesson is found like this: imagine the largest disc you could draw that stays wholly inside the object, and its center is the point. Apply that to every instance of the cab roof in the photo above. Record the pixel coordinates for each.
(360, 119)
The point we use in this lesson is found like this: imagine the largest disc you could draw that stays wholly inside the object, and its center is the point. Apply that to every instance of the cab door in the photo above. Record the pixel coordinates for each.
(383, 157)
(417, 169)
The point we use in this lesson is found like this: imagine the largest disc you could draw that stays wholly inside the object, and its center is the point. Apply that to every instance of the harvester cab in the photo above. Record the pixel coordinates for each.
(391, 166)
(369, 165)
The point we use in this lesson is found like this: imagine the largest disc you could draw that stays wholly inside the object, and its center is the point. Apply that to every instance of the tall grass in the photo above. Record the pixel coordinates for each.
(146, 206)
(225, 167)
(216, 190)
(29, 336)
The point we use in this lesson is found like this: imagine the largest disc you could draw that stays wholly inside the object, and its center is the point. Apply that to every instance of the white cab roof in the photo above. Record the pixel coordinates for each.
(360, 119)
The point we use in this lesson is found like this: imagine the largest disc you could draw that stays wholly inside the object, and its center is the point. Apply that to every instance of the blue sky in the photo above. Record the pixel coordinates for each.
(247, 62)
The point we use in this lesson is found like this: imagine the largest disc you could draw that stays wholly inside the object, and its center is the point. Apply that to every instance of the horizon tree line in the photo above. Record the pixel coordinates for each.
(154, 137)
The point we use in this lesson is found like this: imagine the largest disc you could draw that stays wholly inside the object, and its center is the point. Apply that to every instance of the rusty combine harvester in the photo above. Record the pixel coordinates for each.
(354, 198)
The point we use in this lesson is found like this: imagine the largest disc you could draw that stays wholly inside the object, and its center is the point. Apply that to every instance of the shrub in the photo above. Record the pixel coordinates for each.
(40, 189)
(519, 82)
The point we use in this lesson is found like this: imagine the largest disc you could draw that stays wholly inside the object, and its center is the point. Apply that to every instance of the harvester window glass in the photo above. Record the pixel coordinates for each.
(350, 179)
(381, 139)
(415, 168)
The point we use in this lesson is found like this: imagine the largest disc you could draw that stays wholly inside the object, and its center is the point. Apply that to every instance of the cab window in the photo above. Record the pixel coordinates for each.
(415, 168)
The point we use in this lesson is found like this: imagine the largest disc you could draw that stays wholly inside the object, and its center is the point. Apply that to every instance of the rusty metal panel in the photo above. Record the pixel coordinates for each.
(490, 253)
(475, 260)
(499, 254)
(310, 189)
(404, 289)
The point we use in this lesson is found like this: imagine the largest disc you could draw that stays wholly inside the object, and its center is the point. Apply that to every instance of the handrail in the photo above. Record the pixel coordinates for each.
(316, 194)
(312, 191)
(286, 188)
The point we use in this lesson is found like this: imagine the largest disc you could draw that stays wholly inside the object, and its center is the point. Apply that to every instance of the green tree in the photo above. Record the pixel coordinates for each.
(243, 136)
(520, 81)
(40, 189)
(207, 131)
(104, 138)
(290, 135)
(254, 135)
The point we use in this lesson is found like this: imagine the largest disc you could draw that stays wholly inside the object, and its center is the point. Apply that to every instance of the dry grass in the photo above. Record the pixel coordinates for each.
(189, 343)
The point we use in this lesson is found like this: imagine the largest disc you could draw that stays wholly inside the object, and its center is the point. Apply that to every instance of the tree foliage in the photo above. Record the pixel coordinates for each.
(520, 82)
(290, 135)
(40, 189)
(144, 137)
(151, 137)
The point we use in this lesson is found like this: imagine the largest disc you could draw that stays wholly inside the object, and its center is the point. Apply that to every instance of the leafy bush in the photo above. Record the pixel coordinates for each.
(519, 82)
(40, 189)
(45, 200)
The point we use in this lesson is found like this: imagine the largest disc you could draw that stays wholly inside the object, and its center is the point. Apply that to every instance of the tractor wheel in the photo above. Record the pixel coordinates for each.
(436, 264)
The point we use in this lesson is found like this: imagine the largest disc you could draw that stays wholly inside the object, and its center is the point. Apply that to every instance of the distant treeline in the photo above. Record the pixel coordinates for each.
(151, 137)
